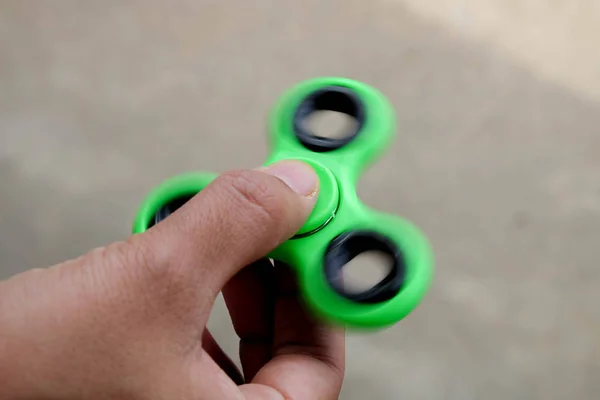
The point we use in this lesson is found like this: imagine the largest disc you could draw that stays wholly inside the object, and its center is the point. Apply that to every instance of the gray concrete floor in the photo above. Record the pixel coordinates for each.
(500, 165)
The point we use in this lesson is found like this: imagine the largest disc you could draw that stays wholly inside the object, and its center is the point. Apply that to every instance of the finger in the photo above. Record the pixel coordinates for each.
(308, 360)
(237, 219)
(215, 351)
(250, 297)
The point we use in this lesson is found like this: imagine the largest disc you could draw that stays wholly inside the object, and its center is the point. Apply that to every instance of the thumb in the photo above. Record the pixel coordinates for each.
(237, 219)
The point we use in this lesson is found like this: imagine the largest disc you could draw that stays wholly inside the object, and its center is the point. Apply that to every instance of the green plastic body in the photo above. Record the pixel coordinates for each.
(338, 208)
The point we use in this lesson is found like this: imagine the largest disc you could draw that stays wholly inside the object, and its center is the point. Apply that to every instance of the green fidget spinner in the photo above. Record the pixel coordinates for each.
(340, 226)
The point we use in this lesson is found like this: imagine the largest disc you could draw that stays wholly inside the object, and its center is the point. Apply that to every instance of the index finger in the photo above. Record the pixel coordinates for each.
(308, 355)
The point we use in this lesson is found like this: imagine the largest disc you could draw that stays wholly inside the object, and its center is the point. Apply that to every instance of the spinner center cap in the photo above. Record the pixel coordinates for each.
(327, 203)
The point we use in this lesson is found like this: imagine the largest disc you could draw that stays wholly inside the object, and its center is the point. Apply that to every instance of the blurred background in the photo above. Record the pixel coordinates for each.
(497, 158)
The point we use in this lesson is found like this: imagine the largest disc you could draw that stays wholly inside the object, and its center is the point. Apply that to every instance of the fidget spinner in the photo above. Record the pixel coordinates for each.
(340, 227)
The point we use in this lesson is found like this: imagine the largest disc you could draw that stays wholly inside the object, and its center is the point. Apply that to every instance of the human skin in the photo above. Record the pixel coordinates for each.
(128, 321)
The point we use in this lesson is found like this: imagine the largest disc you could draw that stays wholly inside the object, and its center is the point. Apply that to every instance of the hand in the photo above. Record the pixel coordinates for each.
(128, 321)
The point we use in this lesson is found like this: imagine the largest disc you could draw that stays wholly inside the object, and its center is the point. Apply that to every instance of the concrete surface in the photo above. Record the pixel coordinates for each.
(553, 39)
(497, 159)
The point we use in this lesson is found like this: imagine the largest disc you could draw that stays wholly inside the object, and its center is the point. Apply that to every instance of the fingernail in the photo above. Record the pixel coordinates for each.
(299, 176)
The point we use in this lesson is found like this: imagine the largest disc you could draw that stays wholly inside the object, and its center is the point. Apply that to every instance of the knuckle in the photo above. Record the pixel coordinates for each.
(124, 254)
(254, 195)
(151, 270)
(125, 258)
(150, 263)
